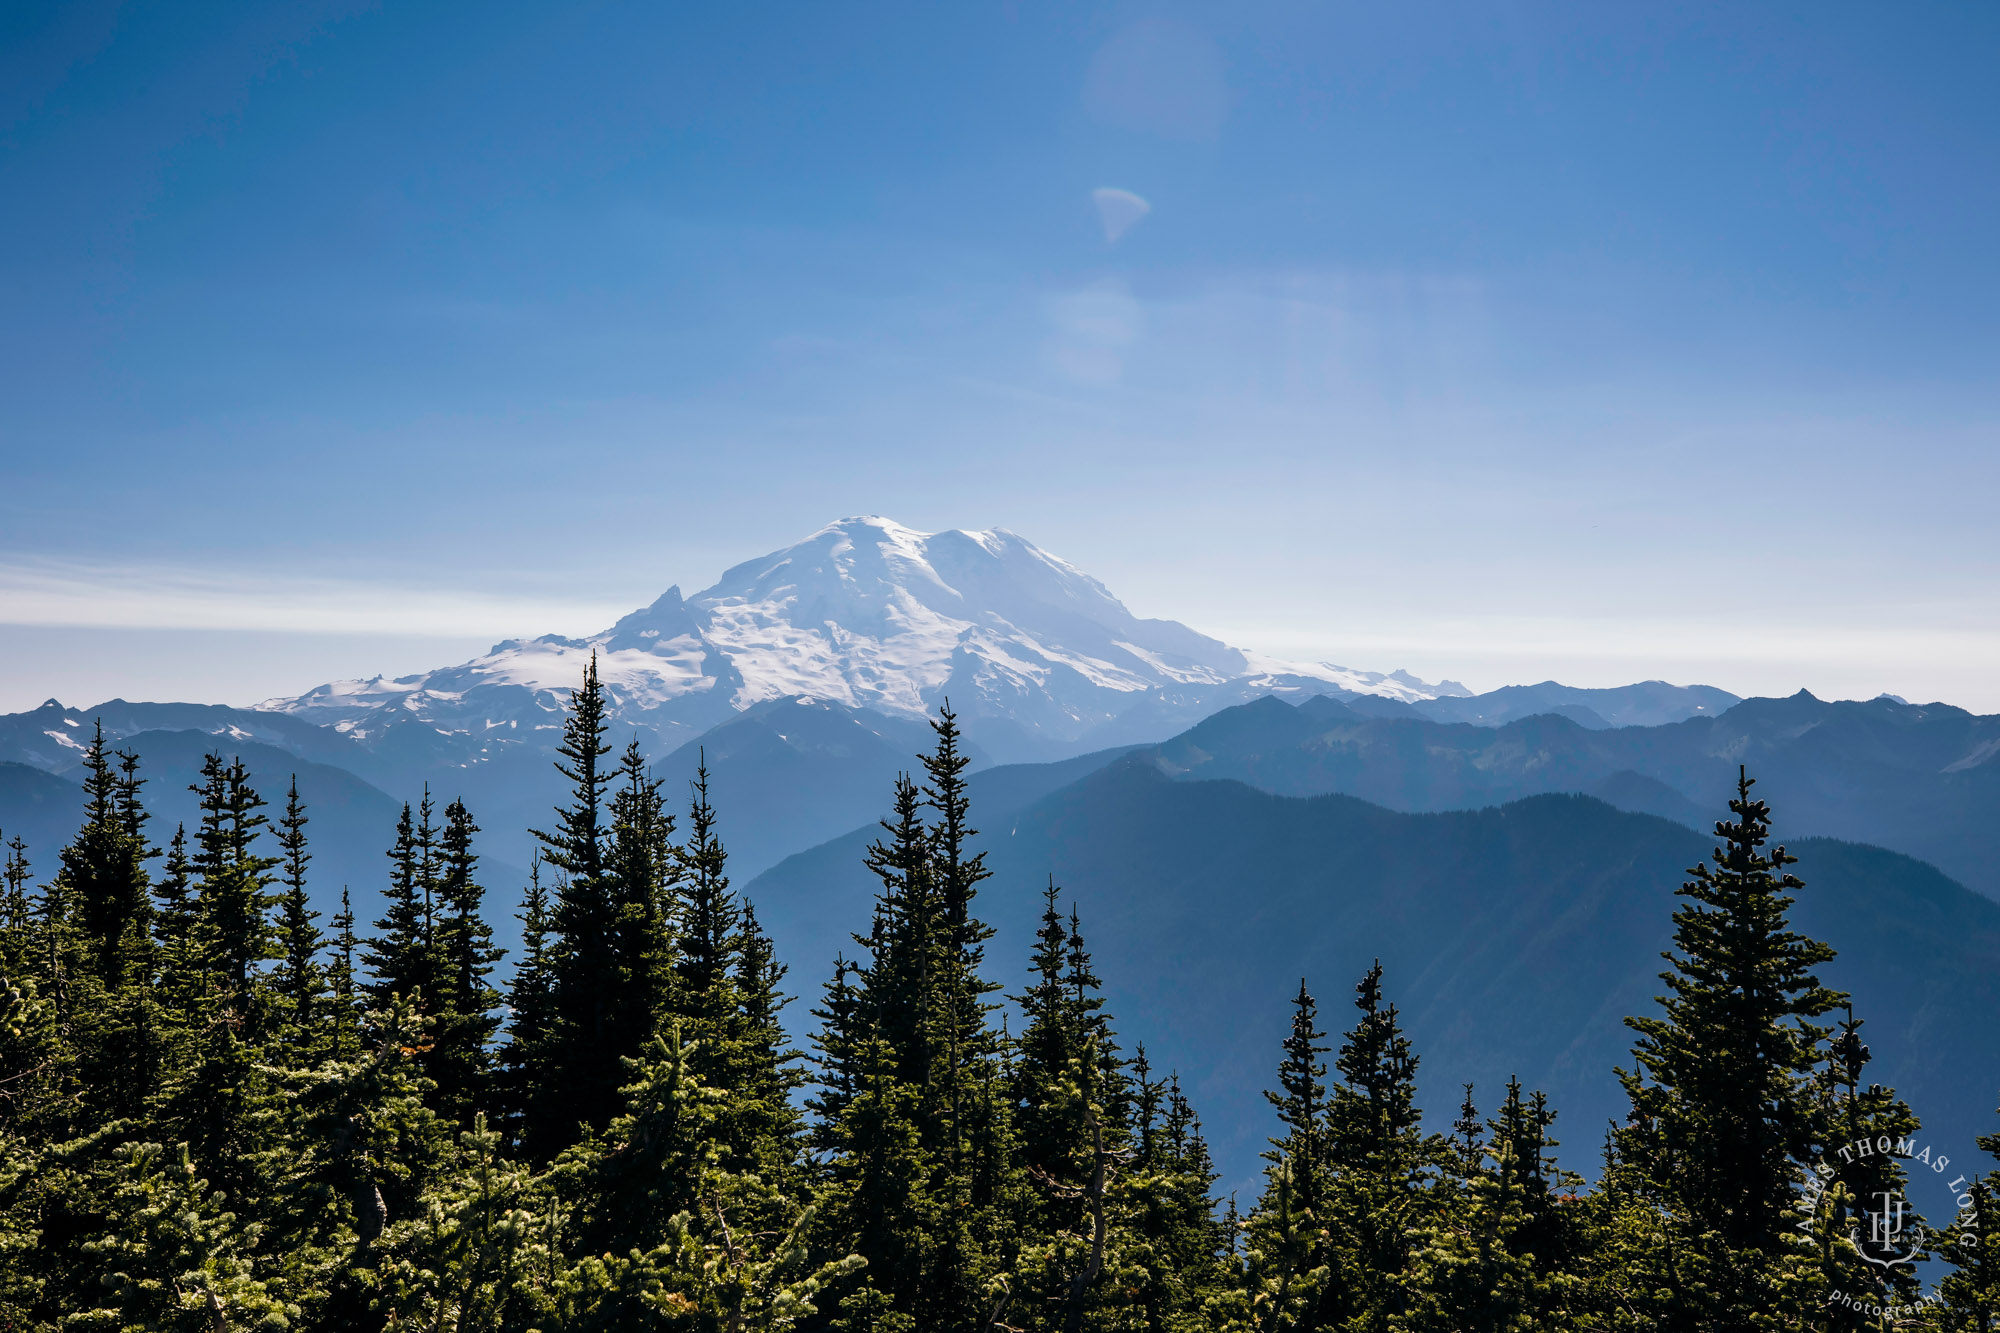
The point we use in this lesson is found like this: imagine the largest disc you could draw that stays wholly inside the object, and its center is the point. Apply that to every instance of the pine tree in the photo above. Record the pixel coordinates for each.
(705, 992)
(838, 1044)
(920, 1178)
(1380, 1161)
(965, 1038)
(1049, 1043)
(344, 1033)
(1724, 1111)
(465, 1260)
(769, 1070)
(104, 867)
(1170, 1259)
(644, 867)
(363, 1150)
(300, 983)
(234, 902)
(461, 1062)
(1855, 1116)
(179, 1260)
(578, 1081)
(1291, 1271)
(177, 926)
(404, 957)
(1969, 1297)
(97, 925)
(1301, 1105)
(531, 1026)
(15, 876)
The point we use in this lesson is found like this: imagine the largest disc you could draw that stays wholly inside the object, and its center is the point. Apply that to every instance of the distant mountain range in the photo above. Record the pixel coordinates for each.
(1228, 822)
(1516, 937)
(1038, 656)
(805, 676)
(1923, 779)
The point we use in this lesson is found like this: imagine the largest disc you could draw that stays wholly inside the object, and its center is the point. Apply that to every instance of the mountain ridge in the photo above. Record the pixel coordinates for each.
(869, 614)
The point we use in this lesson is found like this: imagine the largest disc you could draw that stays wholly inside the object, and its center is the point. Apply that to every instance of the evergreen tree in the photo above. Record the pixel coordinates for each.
(1969, 1297)
(300, 982)
(404, 957)
(644, 867)
(1291, 1271)
(920, 1180)
(839, 1043)
(461, 1062)
(531, 1029)
(234, 924)
(177, 926)
(97, 922)
(1051, 1040)
(769, 1070)
(705, 992)
(179, 1260)
(577, 1080)
(104, 867)
(1381, 1162)
(1725, 1115)
(1834, 1208)
(965, 1036)
(343, 1034)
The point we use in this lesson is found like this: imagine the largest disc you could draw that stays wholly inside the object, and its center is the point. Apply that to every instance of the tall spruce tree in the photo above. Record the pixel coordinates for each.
(345, 1032)
(1380, 1160)
(1969, 1296)
(705, 959)
(301, 983)
(98, 919)
(644, 867)
(531, 1025)
(1725, 1115)
(104, 867)
(575, 1076)
(403, 955)
(234, 882)
(462, 1058)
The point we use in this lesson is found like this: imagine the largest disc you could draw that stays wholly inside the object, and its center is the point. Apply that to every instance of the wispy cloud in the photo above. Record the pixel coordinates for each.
(53, 593)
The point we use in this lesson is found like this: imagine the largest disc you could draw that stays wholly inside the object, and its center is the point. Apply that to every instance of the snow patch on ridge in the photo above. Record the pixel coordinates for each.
(866, 613)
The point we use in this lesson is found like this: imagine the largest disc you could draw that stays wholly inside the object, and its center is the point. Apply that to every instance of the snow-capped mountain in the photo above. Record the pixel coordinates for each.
(871, 615)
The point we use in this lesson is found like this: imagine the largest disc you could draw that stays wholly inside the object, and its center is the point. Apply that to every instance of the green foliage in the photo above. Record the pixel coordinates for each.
(202, 1128)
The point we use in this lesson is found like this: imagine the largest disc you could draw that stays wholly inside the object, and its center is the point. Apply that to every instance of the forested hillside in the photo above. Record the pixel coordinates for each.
(1518, 937)
(220, 1110)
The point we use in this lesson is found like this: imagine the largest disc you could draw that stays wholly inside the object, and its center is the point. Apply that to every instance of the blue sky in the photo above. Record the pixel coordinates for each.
(1497, 341)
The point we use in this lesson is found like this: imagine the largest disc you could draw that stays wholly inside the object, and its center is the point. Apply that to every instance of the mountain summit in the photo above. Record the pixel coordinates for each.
(868, 614)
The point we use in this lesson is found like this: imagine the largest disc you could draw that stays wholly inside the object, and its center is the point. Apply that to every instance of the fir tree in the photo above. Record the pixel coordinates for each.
(300, 982)
(97, 921)
(531, 1007)
(176, 920)
(1050, 1041)
(404, 957)
(104, 866)
(1969, 1297)
(769, 1069)
(838, 1043)
(644, 867)
(578, 1081)
(343, 1035)
(234, 916)
(707, 945)
(1724, 1113)
(1380, 1159)
(461, 1062)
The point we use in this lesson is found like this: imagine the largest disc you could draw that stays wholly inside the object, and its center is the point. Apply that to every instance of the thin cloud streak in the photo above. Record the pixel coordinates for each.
(42, 593)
